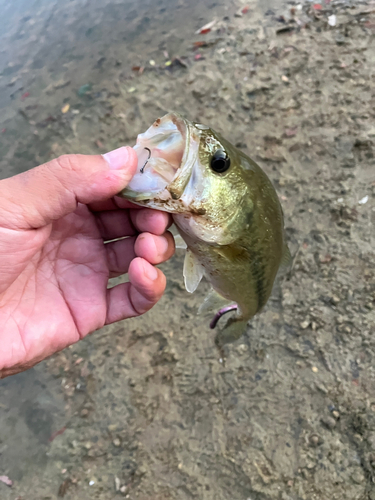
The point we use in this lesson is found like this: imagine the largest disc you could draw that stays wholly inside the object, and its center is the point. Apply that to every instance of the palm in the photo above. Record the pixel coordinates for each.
(60, 292)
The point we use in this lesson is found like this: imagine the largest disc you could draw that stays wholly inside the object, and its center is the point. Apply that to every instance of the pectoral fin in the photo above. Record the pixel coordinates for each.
(193, 272)
(179, 242)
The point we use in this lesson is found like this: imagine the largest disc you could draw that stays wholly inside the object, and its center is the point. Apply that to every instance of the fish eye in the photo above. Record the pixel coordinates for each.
(220, 161)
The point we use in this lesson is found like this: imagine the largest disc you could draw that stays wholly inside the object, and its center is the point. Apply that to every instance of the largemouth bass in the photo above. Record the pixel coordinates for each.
(225, 209)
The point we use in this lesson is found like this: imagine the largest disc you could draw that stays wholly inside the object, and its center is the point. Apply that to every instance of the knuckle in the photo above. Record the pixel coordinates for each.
(68, 162)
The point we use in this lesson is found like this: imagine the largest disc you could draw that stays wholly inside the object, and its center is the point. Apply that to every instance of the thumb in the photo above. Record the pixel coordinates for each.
(43, 194)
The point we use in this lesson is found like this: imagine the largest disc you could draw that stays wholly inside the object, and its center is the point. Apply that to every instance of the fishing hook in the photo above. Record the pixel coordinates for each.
(148, 159)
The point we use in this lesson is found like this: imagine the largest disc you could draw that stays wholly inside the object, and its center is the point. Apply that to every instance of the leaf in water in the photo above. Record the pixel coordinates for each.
(6, 480)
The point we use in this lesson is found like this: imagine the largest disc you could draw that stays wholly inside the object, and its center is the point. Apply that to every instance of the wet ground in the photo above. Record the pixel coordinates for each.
(144, 409)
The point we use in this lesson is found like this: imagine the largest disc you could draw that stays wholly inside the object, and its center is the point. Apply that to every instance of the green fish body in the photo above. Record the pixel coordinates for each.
(225, 209)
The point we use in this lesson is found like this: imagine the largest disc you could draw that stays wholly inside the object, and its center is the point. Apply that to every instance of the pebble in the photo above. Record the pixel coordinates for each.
(304, 324)
(84, 413)
(358, 477)
(335, 299)
(116, 442)
(336, 414)
(117, 484)
(314, 440)
(329, 422)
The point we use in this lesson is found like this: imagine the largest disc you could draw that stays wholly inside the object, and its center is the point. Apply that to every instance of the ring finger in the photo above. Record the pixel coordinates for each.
(155, 249)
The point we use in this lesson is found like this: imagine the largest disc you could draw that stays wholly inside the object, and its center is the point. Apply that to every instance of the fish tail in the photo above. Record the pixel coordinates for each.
(232, 331)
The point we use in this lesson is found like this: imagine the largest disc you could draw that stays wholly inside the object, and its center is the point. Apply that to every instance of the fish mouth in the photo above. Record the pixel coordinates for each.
(166, 154)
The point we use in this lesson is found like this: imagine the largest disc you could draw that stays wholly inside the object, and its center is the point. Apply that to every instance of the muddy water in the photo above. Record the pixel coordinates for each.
(144, 409)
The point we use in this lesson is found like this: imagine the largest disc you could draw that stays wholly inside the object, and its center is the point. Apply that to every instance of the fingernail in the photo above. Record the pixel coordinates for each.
(117, 158)
(151, 272)
(162, 246)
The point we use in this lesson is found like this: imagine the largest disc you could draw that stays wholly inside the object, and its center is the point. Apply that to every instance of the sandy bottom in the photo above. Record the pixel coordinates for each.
(144, 408)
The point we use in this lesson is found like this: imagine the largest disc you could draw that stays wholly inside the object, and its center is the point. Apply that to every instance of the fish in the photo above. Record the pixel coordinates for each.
(226, 211)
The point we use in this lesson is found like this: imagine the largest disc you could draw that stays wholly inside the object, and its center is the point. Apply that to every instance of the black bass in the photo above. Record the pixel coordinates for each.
(225, 209)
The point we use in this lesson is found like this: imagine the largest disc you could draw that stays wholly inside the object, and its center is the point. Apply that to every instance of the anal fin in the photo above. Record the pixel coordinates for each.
(212, 302)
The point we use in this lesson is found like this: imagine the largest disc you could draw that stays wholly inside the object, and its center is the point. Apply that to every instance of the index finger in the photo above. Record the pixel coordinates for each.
(112, 204)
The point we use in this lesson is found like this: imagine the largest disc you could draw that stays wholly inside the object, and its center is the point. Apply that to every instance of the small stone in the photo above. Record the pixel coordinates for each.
(242, 348)
(304, 324)
(329, 422)
(117, 484)
(315, 369)
(358, 438)
(116, 442)
(84, 413)
(336, 414)
(335, 299)
(315, 440)
(123, 490)
(358, 477)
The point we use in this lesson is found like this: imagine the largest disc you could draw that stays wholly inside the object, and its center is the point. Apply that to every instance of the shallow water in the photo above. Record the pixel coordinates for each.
(147, 401)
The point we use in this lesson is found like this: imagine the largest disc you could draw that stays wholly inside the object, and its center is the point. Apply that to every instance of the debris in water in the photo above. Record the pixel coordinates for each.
(364, 200)
(152, 62)
(290, 132)
(6, 480)
(23, 96)
(57, 433)
(242, 11)
(65, 108)
(206, 28)
(332, 20)
(179, 61)
(140, 69)
(84, 89)
(285, 29)
(64, 487)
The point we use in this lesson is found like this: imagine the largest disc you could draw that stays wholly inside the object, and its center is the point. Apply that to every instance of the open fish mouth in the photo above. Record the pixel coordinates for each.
(163, 160)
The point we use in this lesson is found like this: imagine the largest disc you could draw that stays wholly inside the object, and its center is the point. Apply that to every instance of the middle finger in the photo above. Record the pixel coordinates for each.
(114, 224)
(155, 249)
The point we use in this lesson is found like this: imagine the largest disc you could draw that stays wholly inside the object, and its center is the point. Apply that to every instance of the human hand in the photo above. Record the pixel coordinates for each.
(55, 258)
